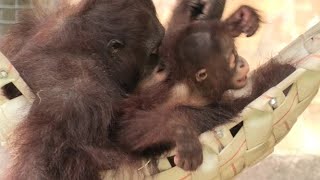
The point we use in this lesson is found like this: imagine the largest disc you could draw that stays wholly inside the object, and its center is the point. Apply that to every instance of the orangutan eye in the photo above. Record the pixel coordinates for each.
(202, 75)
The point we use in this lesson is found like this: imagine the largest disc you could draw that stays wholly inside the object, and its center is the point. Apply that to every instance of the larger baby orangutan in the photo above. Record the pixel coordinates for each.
(183, 97)
(80, 61)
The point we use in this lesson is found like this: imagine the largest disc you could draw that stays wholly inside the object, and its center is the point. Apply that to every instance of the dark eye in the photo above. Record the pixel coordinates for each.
(202, 75)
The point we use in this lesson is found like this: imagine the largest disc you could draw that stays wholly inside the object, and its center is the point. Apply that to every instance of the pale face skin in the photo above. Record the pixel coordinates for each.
(240, 67)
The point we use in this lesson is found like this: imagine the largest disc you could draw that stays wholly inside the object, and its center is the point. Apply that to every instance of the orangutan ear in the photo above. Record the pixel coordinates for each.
(201, 75)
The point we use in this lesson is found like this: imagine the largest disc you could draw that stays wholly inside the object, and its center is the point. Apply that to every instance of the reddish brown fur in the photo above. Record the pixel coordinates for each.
(64, 58)
(151, 126)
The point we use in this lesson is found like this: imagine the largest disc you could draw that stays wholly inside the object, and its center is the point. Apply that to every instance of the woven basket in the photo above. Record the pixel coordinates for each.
(12, 111)
(225, 155)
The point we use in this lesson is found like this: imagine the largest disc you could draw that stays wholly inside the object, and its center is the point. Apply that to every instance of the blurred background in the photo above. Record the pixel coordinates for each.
(9, 10)
(297, 156)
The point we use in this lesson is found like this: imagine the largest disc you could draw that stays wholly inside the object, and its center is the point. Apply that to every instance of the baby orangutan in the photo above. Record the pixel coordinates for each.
(183, 97)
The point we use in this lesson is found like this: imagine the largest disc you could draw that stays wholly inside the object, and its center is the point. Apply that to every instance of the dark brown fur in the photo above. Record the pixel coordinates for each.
(195, 10)
(64, 58)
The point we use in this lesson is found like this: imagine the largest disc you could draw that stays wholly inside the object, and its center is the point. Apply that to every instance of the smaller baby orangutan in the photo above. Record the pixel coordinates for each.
(183, 97)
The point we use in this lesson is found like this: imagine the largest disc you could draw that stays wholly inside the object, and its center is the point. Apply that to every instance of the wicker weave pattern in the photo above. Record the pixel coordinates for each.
(12, 111)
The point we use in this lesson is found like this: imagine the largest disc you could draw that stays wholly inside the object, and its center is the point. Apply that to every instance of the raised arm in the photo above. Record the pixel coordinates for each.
(187, 11)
